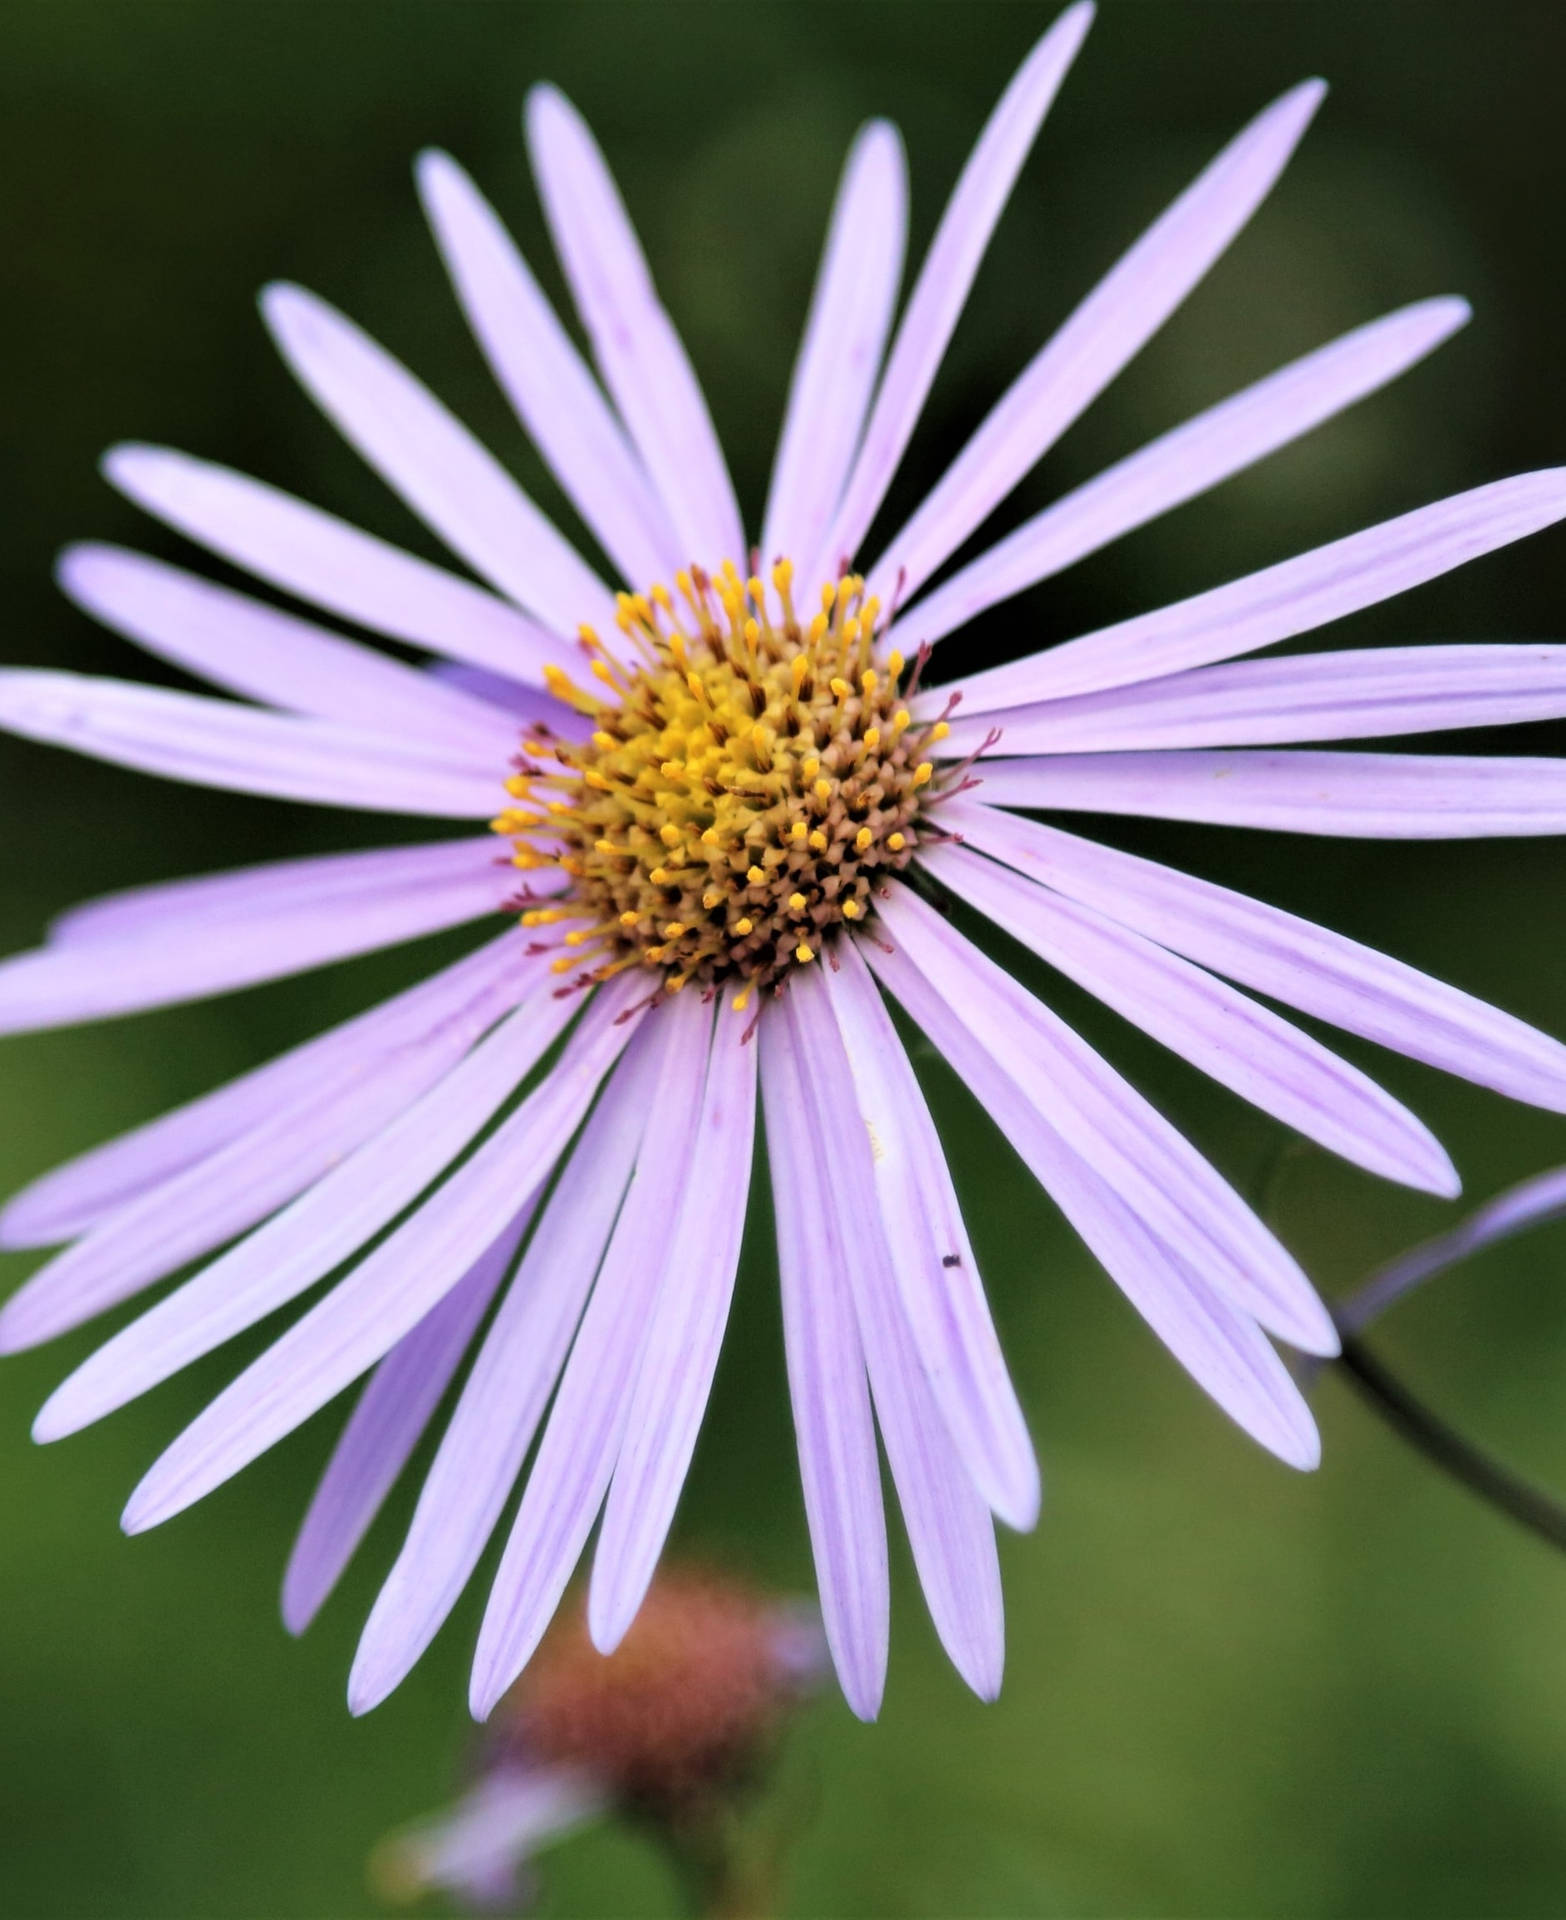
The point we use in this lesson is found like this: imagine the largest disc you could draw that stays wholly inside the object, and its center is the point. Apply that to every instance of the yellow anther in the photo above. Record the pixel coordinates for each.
(797, 903)
(783, 575)
(744, 925)
(760, 738)
(518, 786)
(869, 613)
(753, 632)
(756, 590)
(818, 841)
(850, 631)
(755, 875)
(558, 807)
(741, 1000)
(563, 965)
(534, 747)
(605, 742)
(896, 842)
(863, 840)
(683, 581)
(894, 663)
(659, 876)
(828, 596)
(816, 632)
(900, 719)
(713, 897)
(822, 789)
(544, 916)
(673, 930)
(670, 834)
(710, 837)
(579, 938)
(698, 688)
(940, 730)
(852, 909)
(674, 982)
(606, 846)
(798, 830)
(922, 773)
(629, 918)
(872, 738)
(868, 681)
(803, 954)
(661, 594)
(840, 686)
(587, 636)
(798, 672)
(593, 778)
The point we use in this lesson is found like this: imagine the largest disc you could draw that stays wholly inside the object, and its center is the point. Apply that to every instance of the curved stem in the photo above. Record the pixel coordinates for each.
(1447, 1449)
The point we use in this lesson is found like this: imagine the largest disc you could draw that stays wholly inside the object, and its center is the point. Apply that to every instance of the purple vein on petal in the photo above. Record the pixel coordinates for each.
(576, 1457)
(320, 558)
(500, 1407)
(828, 1391)
(944, 279)
(1238, 1042)
(1355, 796)
(937, 1274)
(1186, 461)
(1107, 1123)
(1277, 953)
(365, 1315)
(1110, 326)
(544, 377)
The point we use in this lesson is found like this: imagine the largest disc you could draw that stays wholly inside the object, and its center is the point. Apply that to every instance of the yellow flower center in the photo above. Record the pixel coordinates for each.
(750, 778)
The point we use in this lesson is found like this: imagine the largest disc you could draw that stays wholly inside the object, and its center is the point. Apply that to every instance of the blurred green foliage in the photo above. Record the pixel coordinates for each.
(1231, 1691)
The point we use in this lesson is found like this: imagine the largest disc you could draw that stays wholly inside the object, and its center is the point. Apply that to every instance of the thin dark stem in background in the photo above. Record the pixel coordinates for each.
(1448, 1449)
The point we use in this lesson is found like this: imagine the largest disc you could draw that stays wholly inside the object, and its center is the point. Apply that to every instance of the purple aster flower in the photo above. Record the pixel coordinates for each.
(726, 804)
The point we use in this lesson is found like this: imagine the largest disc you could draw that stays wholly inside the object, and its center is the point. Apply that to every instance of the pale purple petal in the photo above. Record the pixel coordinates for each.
(134, 964)
(1531, 1203)
(577, 1454)
(497, 1415)
(325, 560)
(845, 336)
(936, 1272)
(1111, 325)
(1279, 954)
(1185, 462)
(1241, 1044)
(397, 1404)
(1296, 596)
(473, 1850)
(251, 649)
(949, 1526)
(390, 1291)
(257, 895)
(219, 743)
(531, 705)
(544, 377)
(229, 1191)
(681, 1339)
(1355, 796)
(77, 1196)
(833, 1426)
(425, 454)
(634, 342)
(1221, 1347)
(1358, 694)
(944, 279)
(1182, 1198)
(322, 1228)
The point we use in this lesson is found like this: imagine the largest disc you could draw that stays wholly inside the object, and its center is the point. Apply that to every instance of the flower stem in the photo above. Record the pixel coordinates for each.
(1448, 1450)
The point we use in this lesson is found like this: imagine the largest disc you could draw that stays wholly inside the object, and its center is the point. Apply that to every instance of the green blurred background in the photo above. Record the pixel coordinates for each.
(1231, 1691)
